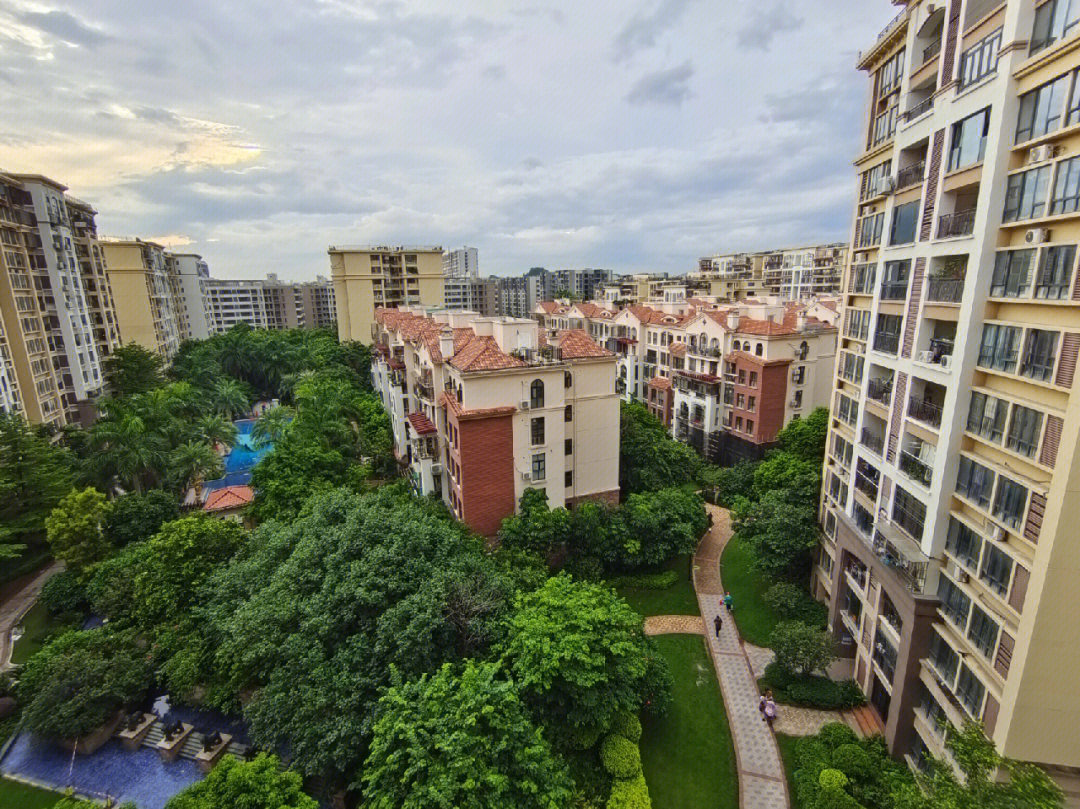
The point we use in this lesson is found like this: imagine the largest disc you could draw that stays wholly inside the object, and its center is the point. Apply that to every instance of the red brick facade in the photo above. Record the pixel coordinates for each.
(769, 393)
(772, 402)
(481, 451)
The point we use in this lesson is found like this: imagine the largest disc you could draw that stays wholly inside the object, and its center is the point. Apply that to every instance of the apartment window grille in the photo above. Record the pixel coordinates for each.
(963, 543)
(903, 223)
(1024, 430)
(1040, 351)
(568, 413)
(536, 393)
(1066, 197)
(1010, 501)
(1012, 273)
(909, 513)
(1000, 347)
(887, 335)
(539, 466)
(1025, 194)
(969, 140)
(954, 603)
(996, 569)
(986, 417)
(568, 446)
(980, 60)
(974, 481)
(568, 478)
(945, 660)
(1055, 272)
(983, 632)
(970, 691)
(1041, 110)
(1054, 20)
(537, 431)
(894, 281)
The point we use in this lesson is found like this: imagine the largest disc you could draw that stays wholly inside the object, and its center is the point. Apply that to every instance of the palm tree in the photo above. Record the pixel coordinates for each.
(125, 447)
(230, 399)
(192, 463)
(271, 426)
(215, 429)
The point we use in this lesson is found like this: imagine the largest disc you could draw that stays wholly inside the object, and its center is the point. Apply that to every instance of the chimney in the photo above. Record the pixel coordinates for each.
(800, 320)
(733, 320)
(446, 343)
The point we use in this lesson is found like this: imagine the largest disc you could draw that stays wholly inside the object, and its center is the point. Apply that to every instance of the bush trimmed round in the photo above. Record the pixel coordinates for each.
(620, 757)
(832, 779)
(853, 761)
(628, 725)
(584, 738)
(630, 793)
(835, 734)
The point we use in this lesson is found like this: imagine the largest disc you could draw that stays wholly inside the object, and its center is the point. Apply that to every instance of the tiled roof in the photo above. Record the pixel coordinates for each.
(576, 345)
(484, 354)
(450, 402)
(421, 423)
(764, 327)
(229, 497)
(677, 349)
(551, 307)
(746, 355)
(660, 383)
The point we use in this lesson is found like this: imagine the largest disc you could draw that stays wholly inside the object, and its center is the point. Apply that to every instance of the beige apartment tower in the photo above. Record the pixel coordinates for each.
(369, 278)
(950, 556)
(148, 294)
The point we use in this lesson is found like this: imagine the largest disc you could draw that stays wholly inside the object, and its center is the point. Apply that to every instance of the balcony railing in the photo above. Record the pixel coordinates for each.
(880, 391)
(894, 290)
(961, 223)
(930, 51)
(904, 557)
(925, 411)
(887, 341)
(911, 113)
(945, 290)
(872, 441)
(915, 468)
(866, 486)
(912, 175)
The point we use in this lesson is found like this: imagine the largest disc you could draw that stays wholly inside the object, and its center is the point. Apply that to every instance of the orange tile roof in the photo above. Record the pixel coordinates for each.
(229, 497)
(746, 355)
(660, 383)
(677, 349)
(421, 423)
(450, 402)
(577, 345)
(551, 307)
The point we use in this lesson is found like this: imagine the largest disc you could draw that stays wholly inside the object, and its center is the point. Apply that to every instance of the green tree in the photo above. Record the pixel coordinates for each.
(286, 478)
(578, 654)
(74, 529)
(981, 786)
(781, 533)
(192, 463)
(460, 739)
(79, 680)
(34, 477)
(132, 369)
(133, 517)
(799, 480)
(271, 426)
(126, 450)
(230, 399)
(536, 527)
(805, 438)
(802, 649)
(216, 429)
(256, 784)
(652, 527)
(649, 459)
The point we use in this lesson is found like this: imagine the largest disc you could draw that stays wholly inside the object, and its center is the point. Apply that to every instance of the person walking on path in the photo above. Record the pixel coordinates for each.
(717, 623)
(770, 709)
(729, 602)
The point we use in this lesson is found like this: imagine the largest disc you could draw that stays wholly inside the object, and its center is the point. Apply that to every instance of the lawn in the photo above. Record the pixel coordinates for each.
(14, 795)
(754, 618)
(688, 756)
(679, 599)
(38, 625)
(787, 752)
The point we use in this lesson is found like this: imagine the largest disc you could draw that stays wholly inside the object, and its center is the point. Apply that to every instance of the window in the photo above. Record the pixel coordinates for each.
(759, 349)
(903, 223)
(954, 603)
(568, 446)
(1066, 198)
(536, 393)
(891, 74)
(963, 543)
(986, 417)
(1010, 502)
(568, 478)
(969, 140)
(1025, 195)
(753, 379)
(537, 431)
(1074, 101)
(568, 413)
(1041, 109)
(870, 228)
(1024, 430)
(894, 281)
(1054, 20)
(1000, 347)
(568, 379)
(539, 466)
(738, 423)
(796, 400)
(996, 569)
(749, 426)
(872, 179)
(974, 481)
(1055, 271)
(970, 691)
(982, 632)
(980, 60)
(1012, 273)
(751, 404)
(1040, 352)
(943, 657)
(909, 513)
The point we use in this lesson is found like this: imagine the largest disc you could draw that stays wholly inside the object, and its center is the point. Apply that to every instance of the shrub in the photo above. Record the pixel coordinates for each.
(801, 648)
(852, 761)
(812, 691)
(628, 725)
(650, 581)
(620, 756)
(836, 734)
(583, 738)
(630, 793)
(64, 593)
(832, 779)
(585, 568)
(790, 601)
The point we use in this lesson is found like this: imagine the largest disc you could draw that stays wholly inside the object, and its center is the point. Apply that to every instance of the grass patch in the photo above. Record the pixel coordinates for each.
(754, 617)
(688, 755)
(679, 599)
(38, 626)
(787, 753)
(14, 795)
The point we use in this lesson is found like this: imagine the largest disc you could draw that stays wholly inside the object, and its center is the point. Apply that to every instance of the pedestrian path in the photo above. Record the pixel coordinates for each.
(13, 610)
(674, 625)
(762, 784)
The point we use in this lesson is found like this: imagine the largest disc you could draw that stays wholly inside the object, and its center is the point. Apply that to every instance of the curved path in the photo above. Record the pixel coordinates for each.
(762, 784)
(15, 608)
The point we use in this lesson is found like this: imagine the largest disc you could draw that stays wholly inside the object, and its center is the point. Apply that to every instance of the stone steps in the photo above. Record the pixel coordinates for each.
(192, 745)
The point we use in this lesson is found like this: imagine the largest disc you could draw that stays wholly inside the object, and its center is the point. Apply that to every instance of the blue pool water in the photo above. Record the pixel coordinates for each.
(240, 460)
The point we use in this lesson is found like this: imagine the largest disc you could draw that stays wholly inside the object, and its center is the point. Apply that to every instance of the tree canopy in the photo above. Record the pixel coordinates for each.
(256, 784)
(34, 476)
(132, 369)
(649, 459)
(74, 528)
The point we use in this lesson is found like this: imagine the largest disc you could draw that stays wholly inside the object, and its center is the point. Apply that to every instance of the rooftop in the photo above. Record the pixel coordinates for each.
(228, 497)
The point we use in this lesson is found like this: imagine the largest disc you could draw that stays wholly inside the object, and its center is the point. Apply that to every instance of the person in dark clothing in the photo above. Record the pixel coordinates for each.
(717, 623)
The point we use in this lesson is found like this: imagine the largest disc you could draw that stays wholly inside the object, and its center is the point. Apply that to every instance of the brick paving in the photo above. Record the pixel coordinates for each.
(674, 625)
(762, 784)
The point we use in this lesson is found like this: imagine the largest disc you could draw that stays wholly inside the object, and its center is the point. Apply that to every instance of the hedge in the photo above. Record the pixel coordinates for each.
(627, 725)
(630, 793)
(813, 691)
(650, 581)
(620, 757)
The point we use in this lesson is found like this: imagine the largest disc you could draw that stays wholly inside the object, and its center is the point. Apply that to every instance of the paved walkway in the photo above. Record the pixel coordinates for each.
(762, 784)
(13, 610)
(674, 625)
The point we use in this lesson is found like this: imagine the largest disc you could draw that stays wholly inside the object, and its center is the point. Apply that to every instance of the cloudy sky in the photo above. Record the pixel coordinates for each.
(631, 134)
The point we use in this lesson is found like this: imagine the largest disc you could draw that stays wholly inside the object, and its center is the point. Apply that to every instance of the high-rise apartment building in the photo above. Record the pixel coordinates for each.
(791, 274)
(317, 301)
(370, 278)
(484, 408)
(55, 299)
(461, 263)
(151, 307)
(268, 303)
(473, 294)
(949, 555)
(191, 274)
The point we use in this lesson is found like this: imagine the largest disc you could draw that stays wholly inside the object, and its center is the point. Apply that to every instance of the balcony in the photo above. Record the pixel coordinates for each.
(894, 290)
(959, 223)
(856, 572)
(945, 290)
(902, 556)
(912, 175)
(875, 442)
(931, 51)
(885, 655)
(915, 468)
(887, 342)
(880, 390)
(918, 110)
(865, 484)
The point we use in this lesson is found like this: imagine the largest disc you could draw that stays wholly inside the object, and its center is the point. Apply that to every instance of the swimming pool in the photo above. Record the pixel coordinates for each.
(240, 460)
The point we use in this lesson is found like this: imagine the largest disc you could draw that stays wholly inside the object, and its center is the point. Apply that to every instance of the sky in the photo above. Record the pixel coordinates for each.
(635, 135)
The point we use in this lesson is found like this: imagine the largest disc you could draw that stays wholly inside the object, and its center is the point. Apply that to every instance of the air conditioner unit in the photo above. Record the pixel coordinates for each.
(1037, 236)
(887, 184)
(436, 469)
(1040, 153)
(946, 361)
(524, 405)
(926, 356)
(996, 532)
(526, 476)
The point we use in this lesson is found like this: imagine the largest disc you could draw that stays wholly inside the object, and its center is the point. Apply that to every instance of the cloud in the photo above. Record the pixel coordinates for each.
(63, 26)
(764, 23)
(172, 240)
(643, 30)
(663, 87)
